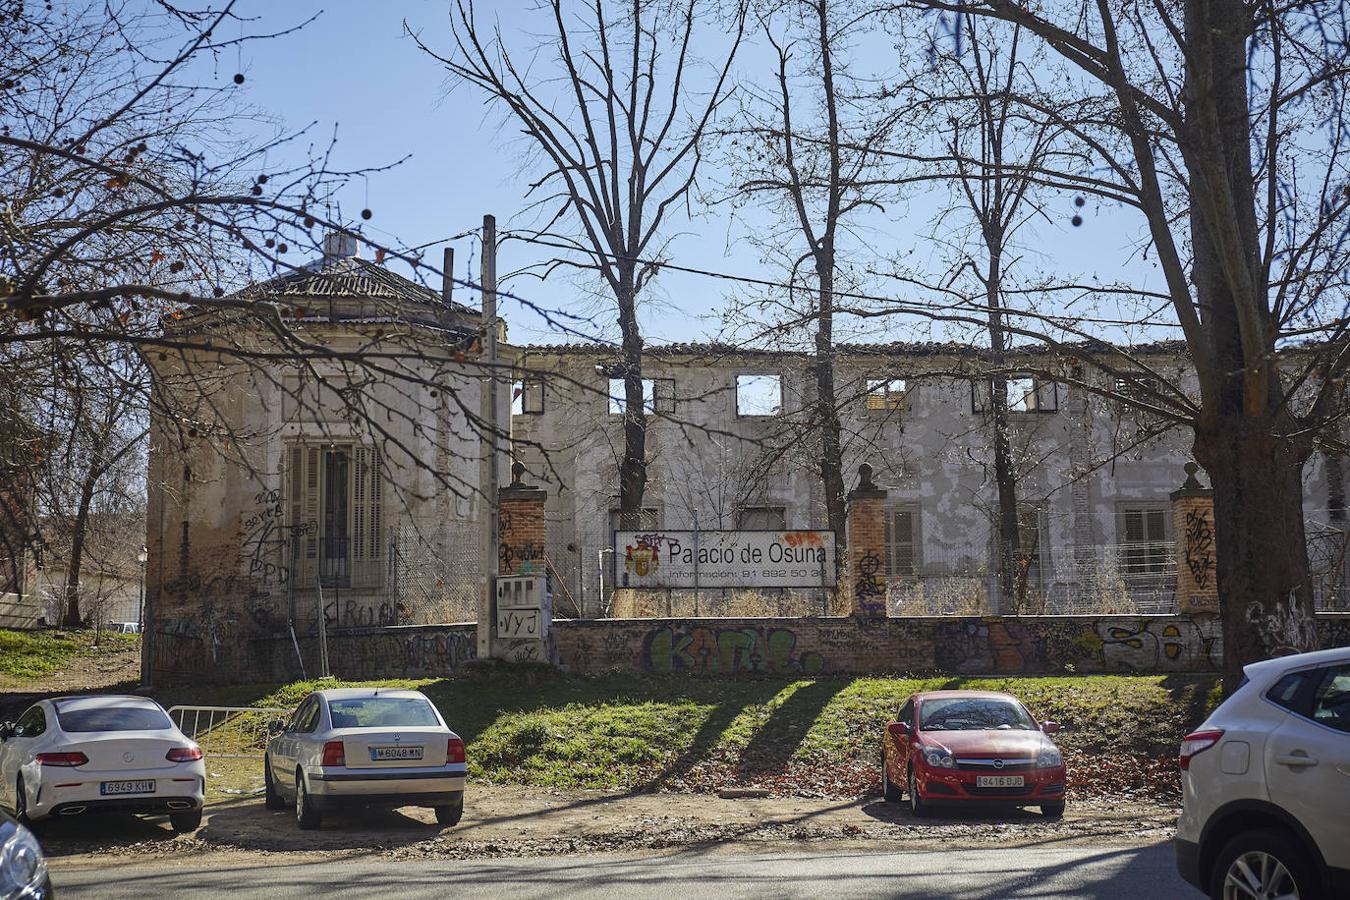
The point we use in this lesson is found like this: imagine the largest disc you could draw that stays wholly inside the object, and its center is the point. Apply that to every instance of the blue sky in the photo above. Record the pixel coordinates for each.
(355, 69)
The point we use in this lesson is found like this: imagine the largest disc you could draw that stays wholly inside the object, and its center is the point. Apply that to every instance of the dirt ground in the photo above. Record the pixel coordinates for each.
(505, 820)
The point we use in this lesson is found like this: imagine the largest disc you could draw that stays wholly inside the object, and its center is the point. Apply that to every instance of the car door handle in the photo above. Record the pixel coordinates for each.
(1296, 760)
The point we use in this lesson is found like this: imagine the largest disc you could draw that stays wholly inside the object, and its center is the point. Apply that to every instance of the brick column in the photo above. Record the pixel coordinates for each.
(1193, 523)
(866, 572)
(520, 527)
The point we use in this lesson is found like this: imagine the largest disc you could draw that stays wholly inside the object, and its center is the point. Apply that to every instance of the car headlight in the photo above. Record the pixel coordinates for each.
(939, 759)
(23, 869)
(1049, 759)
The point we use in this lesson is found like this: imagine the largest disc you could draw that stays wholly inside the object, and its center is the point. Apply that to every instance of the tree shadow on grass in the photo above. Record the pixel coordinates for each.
(1190, 695)
(775, 742)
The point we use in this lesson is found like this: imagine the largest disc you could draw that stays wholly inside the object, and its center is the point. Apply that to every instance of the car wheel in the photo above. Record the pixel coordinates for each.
(1053, 810)
(917, 805)
(1263, 864)
(890, 792)
(306, 815)
(450, 815)
(183, 822)
(21, 806)
(271, 799)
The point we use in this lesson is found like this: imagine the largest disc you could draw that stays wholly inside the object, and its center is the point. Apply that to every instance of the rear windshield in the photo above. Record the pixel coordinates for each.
(974, 714)
(380, 712)
(113, 718)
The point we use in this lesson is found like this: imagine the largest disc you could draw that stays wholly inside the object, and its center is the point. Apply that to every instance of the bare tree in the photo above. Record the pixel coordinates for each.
(618, 117)
(806, 146)
(1223, 125)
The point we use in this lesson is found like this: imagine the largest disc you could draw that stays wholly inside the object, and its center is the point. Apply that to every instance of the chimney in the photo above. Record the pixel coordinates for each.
(447, 275)
(337, 245)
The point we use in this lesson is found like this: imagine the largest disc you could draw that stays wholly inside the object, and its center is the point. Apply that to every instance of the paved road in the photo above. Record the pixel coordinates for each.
(967, 874)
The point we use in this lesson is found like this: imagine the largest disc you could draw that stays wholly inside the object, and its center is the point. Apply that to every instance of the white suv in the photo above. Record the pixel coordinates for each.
(1266, 781)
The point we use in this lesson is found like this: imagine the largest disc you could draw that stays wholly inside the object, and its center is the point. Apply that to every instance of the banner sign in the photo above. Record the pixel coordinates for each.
(718, 559)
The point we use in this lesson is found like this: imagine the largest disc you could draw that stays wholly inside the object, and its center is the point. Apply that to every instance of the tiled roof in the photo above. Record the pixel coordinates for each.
(896, 348)
(347, 276)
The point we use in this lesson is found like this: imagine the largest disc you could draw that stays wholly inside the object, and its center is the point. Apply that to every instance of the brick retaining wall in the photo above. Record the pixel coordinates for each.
(809, 646)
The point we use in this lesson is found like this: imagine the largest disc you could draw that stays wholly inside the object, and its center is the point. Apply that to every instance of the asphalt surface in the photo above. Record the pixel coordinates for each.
(965, 874)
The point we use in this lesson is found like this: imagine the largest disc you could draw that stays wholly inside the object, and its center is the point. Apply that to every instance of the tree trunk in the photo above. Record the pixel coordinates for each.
(1244, 439)
(827, 416)
(633, 467)
(72, 617)
(1265, 596)
(1012, 589)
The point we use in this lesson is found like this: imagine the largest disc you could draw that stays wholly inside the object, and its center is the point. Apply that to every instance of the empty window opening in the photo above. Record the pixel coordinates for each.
(618, 398)
(1032, 395)
(885, 394)
(759, 395)
(527, 397)
(761, 518)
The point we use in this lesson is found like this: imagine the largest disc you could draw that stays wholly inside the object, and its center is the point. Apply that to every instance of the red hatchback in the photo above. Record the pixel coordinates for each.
(971, 747)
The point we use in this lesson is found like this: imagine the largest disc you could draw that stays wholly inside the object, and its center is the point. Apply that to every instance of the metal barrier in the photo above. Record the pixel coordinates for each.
(227, 732)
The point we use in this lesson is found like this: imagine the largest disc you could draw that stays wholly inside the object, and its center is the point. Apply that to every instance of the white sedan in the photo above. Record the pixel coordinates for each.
(373, 746)
(74, 756)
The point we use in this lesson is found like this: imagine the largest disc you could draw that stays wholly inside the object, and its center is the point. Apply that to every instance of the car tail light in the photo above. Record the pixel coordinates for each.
(62, 759)
(184, 754)
(334, 754)
(454, 751)
(1197, 742)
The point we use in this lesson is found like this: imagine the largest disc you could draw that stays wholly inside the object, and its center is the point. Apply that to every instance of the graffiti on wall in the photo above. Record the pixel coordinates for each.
(1200, 547)
(868, 589)
(266, 537)
(1156, 645)
(727, 650)
(393, 654)
(516, 557)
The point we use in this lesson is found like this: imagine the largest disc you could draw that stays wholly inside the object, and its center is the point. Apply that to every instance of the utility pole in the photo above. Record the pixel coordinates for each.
(489, 477)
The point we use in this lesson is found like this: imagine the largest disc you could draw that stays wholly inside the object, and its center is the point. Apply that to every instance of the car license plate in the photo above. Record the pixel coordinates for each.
(999, 781)
(127, 787)
(379, 753)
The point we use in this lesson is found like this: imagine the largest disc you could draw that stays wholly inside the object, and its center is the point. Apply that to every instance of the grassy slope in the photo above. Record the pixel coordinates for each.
(805, 736)
(34, 654)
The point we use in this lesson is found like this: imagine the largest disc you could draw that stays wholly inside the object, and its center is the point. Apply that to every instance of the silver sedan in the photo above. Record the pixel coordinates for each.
(372, 746)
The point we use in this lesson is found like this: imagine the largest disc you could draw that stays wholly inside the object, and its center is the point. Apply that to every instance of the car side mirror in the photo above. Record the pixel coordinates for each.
(898, 730)
(1051, 727)
(276, 726)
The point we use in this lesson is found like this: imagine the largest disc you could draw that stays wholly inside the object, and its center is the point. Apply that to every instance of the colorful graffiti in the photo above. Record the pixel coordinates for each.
(1199, 547)
(727, 651)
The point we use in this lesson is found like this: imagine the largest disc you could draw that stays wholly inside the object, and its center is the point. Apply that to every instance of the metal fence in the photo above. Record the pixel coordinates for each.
(434, 577)
(229, 732)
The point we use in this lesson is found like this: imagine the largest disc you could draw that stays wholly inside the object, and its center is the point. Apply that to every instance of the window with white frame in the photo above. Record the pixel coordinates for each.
(904, 540)
(761, 518)
(759, 395)
(1144, 539)
(336, 516)
(618, 396)
(885, 394)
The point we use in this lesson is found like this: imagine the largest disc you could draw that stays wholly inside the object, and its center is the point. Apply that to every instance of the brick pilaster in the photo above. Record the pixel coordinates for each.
(865, 582)
(520, 527)
(1193, 523)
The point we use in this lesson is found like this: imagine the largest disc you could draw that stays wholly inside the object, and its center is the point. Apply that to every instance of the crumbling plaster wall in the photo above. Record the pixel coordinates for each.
(1079, 464)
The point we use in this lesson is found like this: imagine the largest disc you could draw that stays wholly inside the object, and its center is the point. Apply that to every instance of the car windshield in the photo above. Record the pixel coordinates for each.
(113, 718)
(381, 712)
(974, 714)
